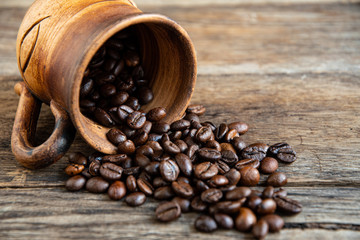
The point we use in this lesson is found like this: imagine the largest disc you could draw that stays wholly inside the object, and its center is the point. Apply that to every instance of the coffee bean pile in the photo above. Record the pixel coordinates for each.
(114, 81)
(192, 166)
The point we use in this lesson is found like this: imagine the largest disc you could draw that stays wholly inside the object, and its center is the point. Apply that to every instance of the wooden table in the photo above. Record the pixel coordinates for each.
(290, 70)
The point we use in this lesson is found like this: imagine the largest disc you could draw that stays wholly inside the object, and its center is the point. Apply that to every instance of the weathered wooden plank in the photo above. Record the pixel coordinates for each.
(45, 213)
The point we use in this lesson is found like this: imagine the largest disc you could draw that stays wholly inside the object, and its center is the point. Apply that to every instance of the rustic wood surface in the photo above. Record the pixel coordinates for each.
(290, 70)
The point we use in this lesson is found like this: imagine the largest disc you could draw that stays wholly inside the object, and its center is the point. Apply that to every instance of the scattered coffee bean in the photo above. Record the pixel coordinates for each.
(268, 165)
(255, 151)
(275, 222)
(245, 220)
(168, 211)
(260, 229)
(75, 183)
(205, 223)
(117, 190)
(288, 205)
(97, 185)
(283, 152)
(224, 220)
(249, 176)
(135, 199)
(277, 179)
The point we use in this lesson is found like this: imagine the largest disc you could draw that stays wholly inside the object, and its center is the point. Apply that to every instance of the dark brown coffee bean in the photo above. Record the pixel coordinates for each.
(268, 165)
(195, 125)
(288, 205)
(131, 171)
(119, 98)
(117, 190)
(196, 109)
(253, 202)
(170, 148)
(249, 162)
(129, 132)
(97, 185)
(136, 120)
(240, 127)
(74, 169)
(147, 127)
(180, 125)
(119, 66)
(224, 221)
(192, 117)
(160, 127)
(164, 193)
(169, 170)
(267, 206)
(283, 152)
(229, 207)
(205, 223)
(114, 116)
(183, 203)
(88, 104)
(132, 59)
(255, 151)
(249, 176)
(184, 163)
(131, 184)
(145, 95)
(205, 170)
(203, 134)
(238, 144)
(209, 125)
(198, 205)
(109, 64)
(158, 150)
(86, 173)
(268, 192)
(159, 182)
(103, 117)
(126, 86)
(275, 222)
(230, 135)
(191, 152)
(156, 114)
(127, 147)
(118, 159)
(145, 150)
(245, 220)
(116, 136)
(182, 189)
(140, 137)
(175, 135)
(94, 168)
(110, 171)
(218, 181)
(277, 179)
(145, 187)
(238, 193)
(107, 90)
(233, 176)
(201, 185)
(212, 195)
(229, 157)
(209, 154)
(138, 73)
(86, 87)
(135, 199)
(260, 229)
(168, 211)
(181, 145)
(75, 183)
(213, 144)
(280, 193)
(153, 168)
(123, 112)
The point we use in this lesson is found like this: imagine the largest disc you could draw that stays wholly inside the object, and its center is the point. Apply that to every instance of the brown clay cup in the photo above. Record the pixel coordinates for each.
(56, 42)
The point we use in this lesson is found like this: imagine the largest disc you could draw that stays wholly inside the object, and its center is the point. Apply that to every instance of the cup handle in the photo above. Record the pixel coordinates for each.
(23, 133)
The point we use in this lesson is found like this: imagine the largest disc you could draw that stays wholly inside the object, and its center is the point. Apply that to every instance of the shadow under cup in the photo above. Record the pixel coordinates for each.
(169, 63)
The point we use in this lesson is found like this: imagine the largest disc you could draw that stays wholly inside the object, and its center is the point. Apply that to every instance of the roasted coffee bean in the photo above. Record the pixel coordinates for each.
(123, 112)
(230, 135)
(195, 125)
(74, 169)
(180, 125)
(129, 132)
(145, 187)
(184, 163)
(109, 64)
(229, 157)
(111, 171)
(192, 117)
(196, 109)
(212, 195)
(238, 193)
(255, 192)
(117, 190)
(156, 114)
(145, 150)
(181, 145)
(75, 183)
(145, 95)
(280, 193)
(255, 151)
(192, 150)
(170, 148)
(233, 176)
(249, 162)
(94, 168)
(88, 104)
(140, 137)
(238, 144)
(136, 120)
(268, 165)
(165, 137)
(86, 87)
(267, 206)
(218, 181)
(132, 59)
(133, 102)
(131, 184)
(183, 203)
(118, 159)
(135, 199)
(168, 211)
(240, 127)
(169, 170)
(198, 205)
(224, 220)
(116, 136)
(221, 131)
(152, 168)
(107, 90)
(157, 149)
(205, 223)
(138, 73)
(201, 185)
(275, 222)
(175, 135)
(253, 202)
(245, 220)
(283, 152)
(189, 139)
(103, 117)
(119, 66)
(86, 173)
(182, 189)
(160, 127)
(147, 127)
(205, 170)
(131, 171)
(229, 207)
(227, 146)
(126, 147)
(97, 185)
(119, 98)
(249, 176)
(210, 125)
(277, 179)
(203, 134)
(164, 193)
(260, 229)
(209, 154)
(268, 192)
(159, 182)
(213, 144)
(288, 205)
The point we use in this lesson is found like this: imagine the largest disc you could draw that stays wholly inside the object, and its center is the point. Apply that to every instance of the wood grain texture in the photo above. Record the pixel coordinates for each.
(291, 71)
